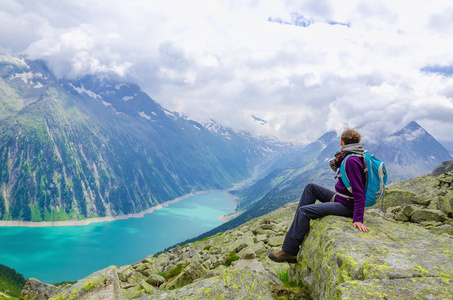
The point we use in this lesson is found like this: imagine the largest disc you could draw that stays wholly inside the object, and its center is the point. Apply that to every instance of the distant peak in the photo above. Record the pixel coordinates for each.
(413, 126)
(412, 131)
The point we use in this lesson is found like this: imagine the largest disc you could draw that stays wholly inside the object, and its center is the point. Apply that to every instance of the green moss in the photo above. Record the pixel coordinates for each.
(174, 272)
(92, 284)
(231, 257)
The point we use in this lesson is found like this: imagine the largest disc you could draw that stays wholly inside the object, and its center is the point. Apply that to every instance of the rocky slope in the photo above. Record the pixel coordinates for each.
(400, 258)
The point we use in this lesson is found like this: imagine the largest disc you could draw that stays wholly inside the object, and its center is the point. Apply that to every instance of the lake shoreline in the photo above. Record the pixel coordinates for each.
(223, 218)
(111, 218)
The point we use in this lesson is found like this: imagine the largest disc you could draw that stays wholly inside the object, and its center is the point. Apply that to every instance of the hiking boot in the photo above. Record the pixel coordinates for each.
(282, 256)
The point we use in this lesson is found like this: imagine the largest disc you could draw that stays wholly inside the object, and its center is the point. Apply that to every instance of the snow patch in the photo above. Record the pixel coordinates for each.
(38, 85)
(106, 104)
(170, 113)
(82, 90)
(127, 98)
(117, 112)
(118, 86)
(143, 115)
(23, 76)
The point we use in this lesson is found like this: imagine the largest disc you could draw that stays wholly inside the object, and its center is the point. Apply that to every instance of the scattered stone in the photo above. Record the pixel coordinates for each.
(188, 275)
(421, 201)
(409, 209)
(149, 289)
(421, 215)
(445, 206)
(248, 254)
(102, 284)
(35, 289)
(155, 280)
(400, 216)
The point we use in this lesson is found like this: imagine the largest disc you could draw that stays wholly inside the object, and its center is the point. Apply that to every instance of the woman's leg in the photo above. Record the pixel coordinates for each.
(307, 211)
(313, 192)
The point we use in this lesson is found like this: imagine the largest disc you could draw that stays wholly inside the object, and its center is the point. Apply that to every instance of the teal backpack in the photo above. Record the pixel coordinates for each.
(376, 178)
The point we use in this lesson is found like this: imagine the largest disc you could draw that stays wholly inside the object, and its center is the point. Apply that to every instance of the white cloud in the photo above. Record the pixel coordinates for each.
(349, 62)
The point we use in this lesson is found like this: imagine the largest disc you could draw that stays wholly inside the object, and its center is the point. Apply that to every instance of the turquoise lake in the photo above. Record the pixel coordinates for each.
(70, 253)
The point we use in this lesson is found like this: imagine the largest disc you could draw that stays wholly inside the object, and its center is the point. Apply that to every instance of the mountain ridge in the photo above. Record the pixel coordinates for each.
(76, 149)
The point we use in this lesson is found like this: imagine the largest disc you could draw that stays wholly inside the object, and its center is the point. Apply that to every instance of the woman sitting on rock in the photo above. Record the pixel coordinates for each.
(339, 203)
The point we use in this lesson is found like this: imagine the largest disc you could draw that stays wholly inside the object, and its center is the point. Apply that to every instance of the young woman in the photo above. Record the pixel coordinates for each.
(339, 203)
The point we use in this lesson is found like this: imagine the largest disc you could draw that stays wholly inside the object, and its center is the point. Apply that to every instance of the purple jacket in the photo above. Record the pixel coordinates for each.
(354, 169)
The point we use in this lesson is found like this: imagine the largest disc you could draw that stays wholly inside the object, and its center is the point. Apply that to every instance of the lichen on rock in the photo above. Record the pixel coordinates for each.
(103, 284)
(335, 256)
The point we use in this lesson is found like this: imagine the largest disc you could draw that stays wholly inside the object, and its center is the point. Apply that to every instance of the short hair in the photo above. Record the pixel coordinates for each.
(350, 136)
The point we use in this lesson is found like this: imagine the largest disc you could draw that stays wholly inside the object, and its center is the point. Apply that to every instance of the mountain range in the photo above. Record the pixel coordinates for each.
(407, 153)
(93, 147)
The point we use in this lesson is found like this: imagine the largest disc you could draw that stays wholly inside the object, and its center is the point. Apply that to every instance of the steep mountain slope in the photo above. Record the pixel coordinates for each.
(95, 147)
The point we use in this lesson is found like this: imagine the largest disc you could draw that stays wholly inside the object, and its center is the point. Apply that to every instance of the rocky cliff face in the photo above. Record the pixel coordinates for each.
(397, 259)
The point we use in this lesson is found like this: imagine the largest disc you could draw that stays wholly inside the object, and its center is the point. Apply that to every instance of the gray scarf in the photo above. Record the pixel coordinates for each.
(353, 148)
(346, 149)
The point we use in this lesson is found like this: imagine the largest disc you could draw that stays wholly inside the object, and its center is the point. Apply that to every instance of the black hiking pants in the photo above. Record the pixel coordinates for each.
(307, 210)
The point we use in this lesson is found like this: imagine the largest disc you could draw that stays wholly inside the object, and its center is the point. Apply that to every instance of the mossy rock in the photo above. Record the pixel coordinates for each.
(395, 197)
(224, 284)
(335, 254)
(37, 290)
(421, 215)
(103, 284)
(396, 289)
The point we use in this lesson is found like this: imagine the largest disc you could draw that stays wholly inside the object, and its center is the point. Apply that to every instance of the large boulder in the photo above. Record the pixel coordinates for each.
(391, 261)
(103, 284)
(37, 290)
(426, 215)
(225, 284)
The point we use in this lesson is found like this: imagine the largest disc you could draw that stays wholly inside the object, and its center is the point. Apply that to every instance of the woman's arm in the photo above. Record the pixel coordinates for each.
(354, 171)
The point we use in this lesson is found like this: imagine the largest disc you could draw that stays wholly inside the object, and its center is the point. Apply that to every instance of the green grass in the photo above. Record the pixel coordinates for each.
(290, 290)
(231, 257)
(173, 272)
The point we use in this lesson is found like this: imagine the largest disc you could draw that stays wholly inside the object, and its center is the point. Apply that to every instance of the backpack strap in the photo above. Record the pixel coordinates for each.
(344, 177)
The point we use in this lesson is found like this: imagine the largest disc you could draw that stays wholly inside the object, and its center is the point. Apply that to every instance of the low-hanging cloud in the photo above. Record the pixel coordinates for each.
(303, 66)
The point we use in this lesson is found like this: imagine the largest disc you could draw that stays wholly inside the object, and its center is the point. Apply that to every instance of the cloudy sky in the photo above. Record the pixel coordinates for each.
(303, 66)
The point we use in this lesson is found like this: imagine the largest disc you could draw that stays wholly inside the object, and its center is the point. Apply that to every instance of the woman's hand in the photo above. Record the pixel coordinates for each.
(360, 226)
